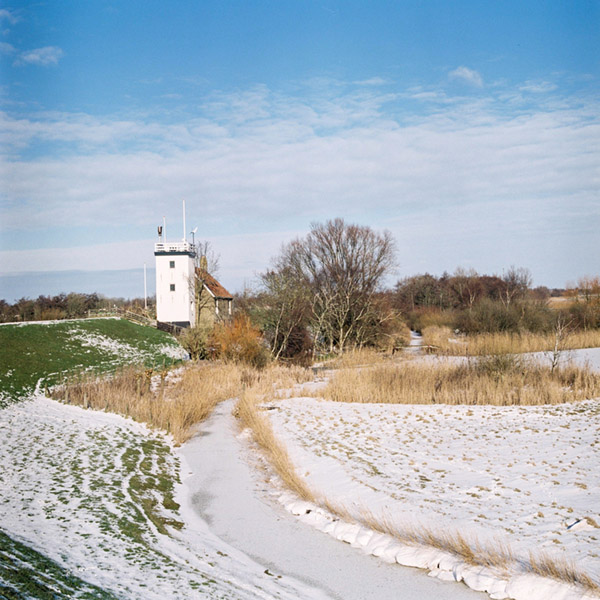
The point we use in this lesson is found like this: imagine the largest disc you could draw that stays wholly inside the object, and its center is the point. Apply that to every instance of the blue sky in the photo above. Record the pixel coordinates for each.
(470, 130)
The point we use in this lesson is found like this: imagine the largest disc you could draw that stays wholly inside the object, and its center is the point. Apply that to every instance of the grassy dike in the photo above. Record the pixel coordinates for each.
(49, 351)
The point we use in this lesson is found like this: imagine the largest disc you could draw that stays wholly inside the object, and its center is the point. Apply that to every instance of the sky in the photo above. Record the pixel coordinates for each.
(470, 130)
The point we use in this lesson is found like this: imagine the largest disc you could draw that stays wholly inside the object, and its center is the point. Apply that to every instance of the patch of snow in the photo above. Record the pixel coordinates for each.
(241, 506)
(518, 473)
(67, 491)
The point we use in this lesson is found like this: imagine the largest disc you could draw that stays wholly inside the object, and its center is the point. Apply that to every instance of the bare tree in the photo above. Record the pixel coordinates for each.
(206, 263)
(342, 266)
(467, 286)
(562, 330)
(287, 308)
(516, 283)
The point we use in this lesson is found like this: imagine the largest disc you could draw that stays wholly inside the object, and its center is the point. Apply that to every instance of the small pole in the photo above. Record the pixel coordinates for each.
(145, 290)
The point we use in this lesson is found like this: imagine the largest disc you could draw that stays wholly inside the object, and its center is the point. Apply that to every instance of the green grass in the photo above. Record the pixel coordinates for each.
(26, 573)
(30, 352)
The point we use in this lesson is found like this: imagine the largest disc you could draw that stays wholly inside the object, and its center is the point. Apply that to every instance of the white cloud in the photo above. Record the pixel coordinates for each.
(262, 160)
(48, 55)
(372, 81)
(6, 48)
(538, 87)
(8, 15)
(467, 75)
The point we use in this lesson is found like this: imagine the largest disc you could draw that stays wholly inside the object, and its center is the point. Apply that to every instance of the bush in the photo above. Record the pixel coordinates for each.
(195, 341)
(420, 318)
(239, 341)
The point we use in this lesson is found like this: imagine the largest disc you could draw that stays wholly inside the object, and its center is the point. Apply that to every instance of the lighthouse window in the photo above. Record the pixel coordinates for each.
(172, 287)
(171, 264)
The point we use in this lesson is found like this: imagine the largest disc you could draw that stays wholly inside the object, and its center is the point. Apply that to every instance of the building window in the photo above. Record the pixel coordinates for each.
(171, 264)
(172, 287)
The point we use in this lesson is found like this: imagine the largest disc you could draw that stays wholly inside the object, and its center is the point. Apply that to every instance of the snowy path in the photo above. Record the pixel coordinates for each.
(239, 510)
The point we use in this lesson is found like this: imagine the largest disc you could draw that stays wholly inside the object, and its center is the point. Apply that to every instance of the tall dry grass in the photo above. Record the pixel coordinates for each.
(562, 569)
(442, 340)
(357, 357)
(499, 380)
(175, 406)
(496, 554)
(250, 414)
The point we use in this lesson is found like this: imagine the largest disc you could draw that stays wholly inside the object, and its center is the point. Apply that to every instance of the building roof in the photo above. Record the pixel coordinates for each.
(212, 285)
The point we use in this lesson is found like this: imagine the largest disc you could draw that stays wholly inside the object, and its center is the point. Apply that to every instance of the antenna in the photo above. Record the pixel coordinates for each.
(184, 234)
(193, 232)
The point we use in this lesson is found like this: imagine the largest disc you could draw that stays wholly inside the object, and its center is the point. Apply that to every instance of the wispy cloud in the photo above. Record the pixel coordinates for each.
(372, 81)
(467, 75)
(271, 158)
(48, 55)
(6, 48)
(8, 15)
(538, 87)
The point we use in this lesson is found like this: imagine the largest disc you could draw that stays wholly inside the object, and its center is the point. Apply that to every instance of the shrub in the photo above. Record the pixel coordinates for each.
(421, 318)
(239, 341)
(194, 341)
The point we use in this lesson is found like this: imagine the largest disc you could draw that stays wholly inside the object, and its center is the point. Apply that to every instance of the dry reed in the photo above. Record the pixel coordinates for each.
(562, 569)
(149, 397)
(497, 556)
(358, 357)
(500, 380)
(249, 413)
(443, 341)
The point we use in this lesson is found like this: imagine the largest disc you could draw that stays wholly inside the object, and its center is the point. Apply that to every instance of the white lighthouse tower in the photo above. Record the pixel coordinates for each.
(175, 297)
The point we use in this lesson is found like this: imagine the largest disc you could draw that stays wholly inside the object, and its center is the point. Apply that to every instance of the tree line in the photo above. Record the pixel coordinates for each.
(62, 306)
(329, 291)
(326, 292)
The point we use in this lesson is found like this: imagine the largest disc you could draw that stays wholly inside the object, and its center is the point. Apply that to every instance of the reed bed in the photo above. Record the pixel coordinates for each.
(500, 380)
(495, 554)
(562, 569)
(442, 340)
(174, 405)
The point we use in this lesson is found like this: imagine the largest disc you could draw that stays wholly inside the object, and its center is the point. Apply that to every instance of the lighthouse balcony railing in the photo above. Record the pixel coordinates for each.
(184, 247)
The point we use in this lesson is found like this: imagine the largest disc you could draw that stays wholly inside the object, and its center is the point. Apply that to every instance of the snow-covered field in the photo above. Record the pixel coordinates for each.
(91, 492)
(71, 482)
(123, 352)
(525, 476)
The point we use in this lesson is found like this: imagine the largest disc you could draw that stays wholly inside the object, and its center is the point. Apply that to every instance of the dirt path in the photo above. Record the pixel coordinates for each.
(228, 494)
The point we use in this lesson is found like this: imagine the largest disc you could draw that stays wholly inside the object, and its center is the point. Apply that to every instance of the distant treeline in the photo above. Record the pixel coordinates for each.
(63, 306)
(474, 303)
(324, 294)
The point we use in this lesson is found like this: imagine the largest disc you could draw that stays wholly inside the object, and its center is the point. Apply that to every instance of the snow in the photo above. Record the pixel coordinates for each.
(124, 351)
(239, 501)
(68, 493)
(526, 476)
(54, 321)
(522, 476)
